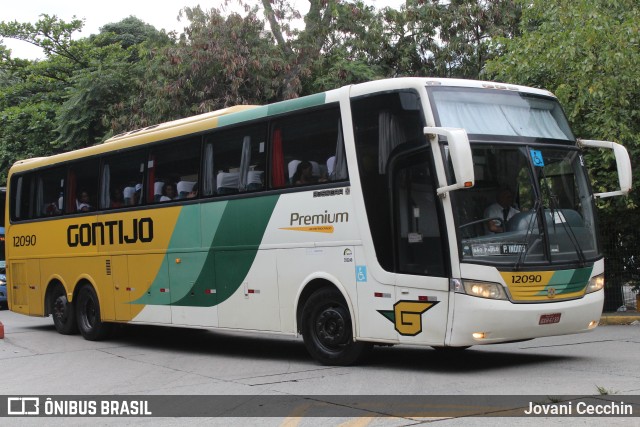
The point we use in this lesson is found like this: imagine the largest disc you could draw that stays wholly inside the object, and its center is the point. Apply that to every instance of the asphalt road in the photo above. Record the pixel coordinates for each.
(148, 360)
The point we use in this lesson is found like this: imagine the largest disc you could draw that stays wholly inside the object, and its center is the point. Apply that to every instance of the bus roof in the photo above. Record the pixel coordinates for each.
(240, 113)
(184, 121)
(387, 84)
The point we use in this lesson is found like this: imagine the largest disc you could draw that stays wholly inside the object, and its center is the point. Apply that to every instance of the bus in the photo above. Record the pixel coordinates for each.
(353, 217)
(3, 278)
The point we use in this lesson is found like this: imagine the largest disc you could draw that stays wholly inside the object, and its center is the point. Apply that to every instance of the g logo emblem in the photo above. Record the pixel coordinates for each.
(407, 316)
(551, 292)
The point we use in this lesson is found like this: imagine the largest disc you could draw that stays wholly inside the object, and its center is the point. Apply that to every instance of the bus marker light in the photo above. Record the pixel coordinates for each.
(178, 260)
(131, 289)
(381, 295)
(209, 291)
(479, 335)
(163, 290)
(253, 291)
(593, 324)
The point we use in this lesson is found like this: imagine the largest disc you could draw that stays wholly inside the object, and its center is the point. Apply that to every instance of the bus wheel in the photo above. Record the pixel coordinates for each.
(326, 329)
(88, 315)
(63, 313)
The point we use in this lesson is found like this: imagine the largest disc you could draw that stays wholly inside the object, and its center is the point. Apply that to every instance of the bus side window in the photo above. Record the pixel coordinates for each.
(307, 148)
(122, 180)
(174, 169)
(82, 180)
(234, 161)
(49, 195)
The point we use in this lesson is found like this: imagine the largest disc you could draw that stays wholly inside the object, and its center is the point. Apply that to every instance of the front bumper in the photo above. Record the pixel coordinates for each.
(503, 321)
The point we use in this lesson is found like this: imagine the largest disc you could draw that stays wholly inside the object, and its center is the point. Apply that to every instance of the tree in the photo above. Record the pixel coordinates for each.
(116, 61)
(454, 38)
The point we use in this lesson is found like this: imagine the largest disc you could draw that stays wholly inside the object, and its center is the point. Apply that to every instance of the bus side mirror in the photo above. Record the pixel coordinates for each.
(623, 164)
(461, 157)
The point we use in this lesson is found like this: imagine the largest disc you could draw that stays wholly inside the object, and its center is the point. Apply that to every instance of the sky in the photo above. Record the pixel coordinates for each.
(162, 14)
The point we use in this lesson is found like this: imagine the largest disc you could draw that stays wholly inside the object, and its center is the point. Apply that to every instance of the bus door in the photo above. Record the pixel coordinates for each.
(141, 288)
(26, 292)
(248, 300)
(194, 293)
(422, 284)
(121, 293)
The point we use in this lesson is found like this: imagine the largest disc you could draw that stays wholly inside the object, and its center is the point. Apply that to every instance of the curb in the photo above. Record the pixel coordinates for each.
(617, 319)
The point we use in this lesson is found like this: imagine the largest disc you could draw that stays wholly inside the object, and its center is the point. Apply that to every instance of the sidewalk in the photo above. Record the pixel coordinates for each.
(620, 318)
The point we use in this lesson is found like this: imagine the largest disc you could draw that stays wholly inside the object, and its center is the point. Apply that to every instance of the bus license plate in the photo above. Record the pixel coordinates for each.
(547, 319)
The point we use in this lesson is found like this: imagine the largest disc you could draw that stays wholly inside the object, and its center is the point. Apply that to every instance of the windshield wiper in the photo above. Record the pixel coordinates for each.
(532, 222)
(555, 210)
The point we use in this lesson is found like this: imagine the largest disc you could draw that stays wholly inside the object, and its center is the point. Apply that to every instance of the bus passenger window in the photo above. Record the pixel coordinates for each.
(173, 169)
(234, 161)
(122, 178)
(311, 146)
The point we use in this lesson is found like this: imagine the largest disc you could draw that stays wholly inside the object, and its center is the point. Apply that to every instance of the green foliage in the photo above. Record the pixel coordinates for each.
(51, 34)
(218, 62)
(352, 50)
(454, 38)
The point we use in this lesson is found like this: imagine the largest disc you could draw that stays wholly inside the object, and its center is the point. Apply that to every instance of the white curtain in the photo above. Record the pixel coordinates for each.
(19, 196)
(40, 198)
(339, 171)
(245, 161)
(105, 193)
(208, 177)
(495, 119)
(390, 135)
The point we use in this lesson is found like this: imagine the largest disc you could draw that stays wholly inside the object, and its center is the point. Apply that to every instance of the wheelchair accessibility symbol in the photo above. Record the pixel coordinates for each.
(536, 157)
(361, 273)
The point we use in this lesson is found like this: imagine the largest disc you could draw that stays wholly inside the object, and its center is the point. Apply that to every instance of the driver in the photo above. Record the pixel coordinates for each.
(502, 208)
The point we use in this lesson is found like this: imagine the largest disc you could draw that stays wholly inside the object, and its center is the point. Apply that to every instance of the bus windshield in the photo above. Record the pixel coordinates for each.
(530, 205)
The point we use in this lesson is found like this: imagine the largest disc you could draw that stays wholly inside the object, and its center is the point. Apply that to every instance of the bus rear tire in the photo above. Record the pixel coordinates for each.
(88, 315)
(327, 332)
(62, 312)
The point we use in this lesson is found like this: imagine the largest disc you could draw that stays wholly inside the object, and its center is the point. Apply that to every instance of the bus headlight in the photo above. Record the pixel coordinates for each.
(595, 283)
(484, 289)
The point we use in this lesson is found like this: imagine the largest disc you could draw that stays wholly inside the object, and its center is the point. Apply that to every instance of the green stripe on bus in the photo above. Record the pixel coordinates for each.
(230, 235)
(297, 104)
(273, 109)
(230, 119)
(568, 281)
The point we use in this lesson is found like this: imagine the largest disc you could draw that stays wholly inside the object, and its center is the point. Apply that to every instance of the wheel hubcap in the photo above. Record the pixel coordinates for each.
(330, 328)
(60, 307)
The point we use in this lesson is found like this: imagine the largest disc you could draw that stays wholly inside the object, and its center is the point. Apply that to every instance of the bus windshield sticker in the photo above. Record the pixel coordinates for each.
(491, 249)
(536, 157)
(486, 249)
(513, 248)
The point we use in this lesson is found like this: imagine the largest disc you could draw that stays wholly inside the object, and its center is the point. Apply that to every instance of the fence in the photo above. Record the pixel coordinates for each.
(620, 239)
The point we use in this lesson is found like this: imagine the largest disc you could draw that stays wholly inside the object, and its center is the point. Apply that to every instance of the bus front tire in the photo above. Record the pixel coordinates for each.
(63, 312)
(88, 315)
(327, 332)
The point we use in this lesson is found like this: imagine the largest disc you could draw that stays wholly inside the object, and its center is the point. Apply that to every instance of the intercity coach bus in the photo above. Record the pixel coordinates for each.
(353, 217)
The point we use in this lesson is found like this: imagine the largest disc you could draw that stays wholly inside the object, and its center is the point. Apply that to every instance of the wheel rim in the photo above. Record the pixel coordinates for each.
(330, 329)
(60, 308)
